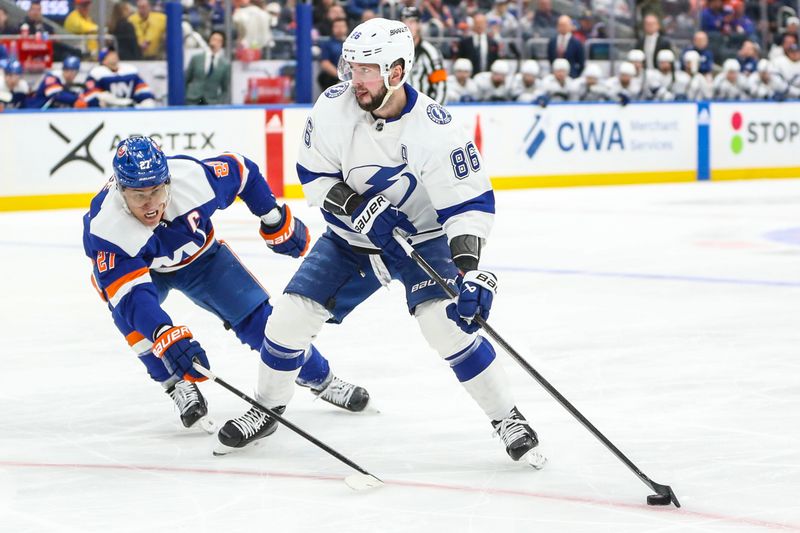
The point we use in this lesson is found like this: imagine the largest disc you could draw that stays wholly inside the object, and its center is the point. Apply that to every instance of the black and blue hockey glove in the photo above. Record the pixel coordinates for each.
(475, 295)
(176, 347)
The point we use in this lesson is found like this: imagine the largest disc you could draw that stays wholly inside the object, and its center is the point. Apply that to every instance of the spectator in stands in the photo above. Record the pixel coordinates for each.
(700, 45)
(5, 27)
(653, 41)
(481, 49)
(355, 8)
(34, 19)
(13, 89)
(151, 29)
(545, 19)
(3, 55)
(748, 57)
(330, 51)
(206, 16)
(253, 29)
(730, 84)
(742, 24)
(208, 74)
(500, 15)
(712, 17)
(79, 21)
(567, 46)
(525, 83)
(437, 17)
(121, 28)
(585, 27)
(327, 11)
(788, 66)
(493, 86)
(460, 85)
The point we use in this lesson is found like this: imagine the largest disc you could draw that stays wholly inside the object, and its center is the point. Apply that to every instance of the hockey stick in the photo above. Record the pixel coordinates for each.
(664, 494)
(361, 481)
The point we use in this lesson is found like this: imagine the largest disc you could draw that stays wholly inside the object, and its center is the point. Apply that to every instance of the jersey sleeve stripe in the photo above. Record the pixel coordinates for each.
(117, 290)
(483, 203)
(53, 89)
(307, 176)
(242, 177)
(138, 342)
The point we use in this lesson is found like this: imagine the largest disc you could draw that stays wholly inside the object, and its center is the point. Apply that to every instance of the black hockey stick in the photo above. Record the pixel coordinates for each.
(361, 481)
(664, 493)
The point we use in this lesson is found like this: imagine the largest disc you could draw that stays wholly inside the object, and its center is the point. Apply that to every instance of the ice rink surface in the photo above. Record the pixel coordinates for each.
(668, 314)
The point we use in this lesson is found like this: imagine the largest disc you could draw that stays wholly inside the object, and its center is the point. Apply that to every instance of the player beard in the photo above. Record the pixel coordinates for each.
(375, 100)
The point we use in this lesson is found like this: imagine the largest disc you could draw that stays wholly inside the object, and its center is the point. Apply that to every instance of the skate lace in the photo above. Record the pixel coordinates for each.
(250, 422)
(184, 394)
(337, 392)
(511, 429)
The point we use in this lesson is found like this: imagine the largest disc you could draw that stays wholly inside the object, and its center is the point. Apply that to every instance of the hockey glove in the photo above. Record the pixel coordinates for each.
(377, 218)
(624, 99)
(475, 296)
(176, 347)
(542, 100)
(289, 236)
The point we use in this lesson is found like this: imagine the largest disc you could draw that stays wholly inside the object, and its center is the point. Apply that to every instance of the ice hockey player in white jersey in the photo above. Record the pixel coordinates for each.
(494, 86)
(699, 87)
(14, 89)
(377, 158)
(624, 87)
(525, 83)
(788, 66)
(115, 84)
(767, 84)
(460, 85)
(589, 87)
(149, 231)
(730, 84)
(557, 86)
(674, 83)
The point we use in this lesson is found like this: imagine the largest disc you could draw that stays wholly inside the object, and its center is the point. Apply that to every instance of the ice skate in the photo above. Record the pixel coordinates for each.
(342, 394)
(191, 405)
(245, 430)
(520, 439)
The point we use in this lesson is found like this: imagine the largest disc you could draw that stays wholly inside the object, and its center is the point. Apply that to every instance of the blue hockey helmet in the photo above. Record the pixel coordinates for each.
(139, 163)
(14, 67)
(71, 63)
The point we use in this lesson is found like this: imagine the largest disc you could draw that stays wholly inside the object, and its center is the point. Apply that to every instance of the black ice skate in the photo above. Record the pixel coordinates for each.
(519, 438)
(191, 405)
(247, 429)
(342, 394)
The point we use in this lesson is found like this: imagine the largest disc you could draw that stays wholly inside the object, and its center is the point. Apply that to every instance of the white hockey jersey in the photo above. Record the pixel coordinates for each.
(558, 91)
(488, 91)
(788, 69)
(725, 90)
(424, 163)
(524, 93)
(699, 88)
(461, 93)
(616, 90)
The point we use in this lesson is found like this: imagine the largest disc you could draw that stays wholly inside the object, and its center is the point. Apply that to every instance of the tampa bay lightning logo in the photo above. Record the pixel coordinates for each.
(380, 178)
(438, 114)
(336, 90)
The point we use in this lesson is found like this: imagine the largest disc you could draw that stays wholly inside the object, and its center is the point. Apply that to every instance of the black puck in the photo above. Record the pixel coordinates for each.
(659, 499)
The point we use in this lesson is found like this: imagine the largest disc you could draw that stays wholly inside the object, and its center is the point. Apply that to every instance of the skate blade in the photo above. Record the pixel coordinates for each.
(222, 449)
(535, 459)
(359, 482)
(207, 424)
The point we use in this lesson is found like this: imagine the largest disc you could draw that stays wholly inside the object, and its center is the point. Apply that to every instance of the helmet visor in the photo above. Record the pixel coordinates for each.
(358, 72)
(151, 196)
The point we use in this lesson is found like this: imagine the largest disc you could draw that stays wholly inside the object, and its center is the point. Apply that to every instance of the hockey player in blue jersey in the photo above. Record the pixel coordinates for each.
(13, 89)
(59, 89)
(149, 231)
(377, 156)
(115, 84)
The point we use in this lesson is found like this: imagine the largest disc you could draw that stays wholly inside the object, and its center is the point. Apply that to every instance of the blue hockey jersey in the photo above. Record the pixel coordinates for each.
(124, 251)
(123, 83)
(54, 92)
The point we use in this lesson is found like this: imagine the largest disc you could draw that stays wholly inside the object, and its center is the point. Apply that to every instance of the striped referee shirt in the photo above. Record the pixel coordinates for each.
(428, 75)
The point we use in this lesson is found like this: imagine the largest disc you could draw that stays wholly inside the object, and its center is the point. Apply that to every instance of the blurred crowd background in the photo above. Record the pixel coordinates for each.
(84, 53)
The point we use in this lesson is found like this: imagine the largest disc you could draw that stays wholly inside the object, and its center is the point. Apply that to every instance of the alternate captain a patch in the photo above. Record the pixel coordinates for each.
(438, 114)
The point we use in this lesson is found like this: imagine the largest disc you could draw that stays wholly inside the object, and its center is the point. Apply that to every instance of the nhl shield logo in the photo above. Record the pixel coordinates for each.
(438, 114)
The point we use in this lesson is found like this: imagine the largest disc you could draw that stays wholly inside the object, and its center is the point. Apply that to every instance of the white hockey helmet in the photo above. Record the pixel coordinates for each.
(592, 70)
(462, 64)
(380, 42)
(560, 64)
(763, 65)
(692, 57)
(627, 68)
(731, 65)
(665, 55)
(500, 66)
(636, 56)
(530, 66)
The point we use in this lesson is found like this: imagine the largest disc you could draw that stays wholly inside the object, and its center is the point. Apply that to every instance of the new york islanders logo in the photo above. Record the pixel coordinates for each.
(438, 114)
(337, 90)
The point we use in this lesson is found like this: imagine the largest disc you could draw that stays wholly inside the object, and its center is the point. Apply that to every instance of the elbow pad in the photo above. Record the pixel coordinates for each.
(466, 251)
(342, 200)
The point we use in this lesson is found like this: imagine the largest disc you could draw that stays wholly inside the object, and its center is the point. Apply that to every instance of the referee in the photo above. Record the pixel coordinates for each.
(428, 75)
